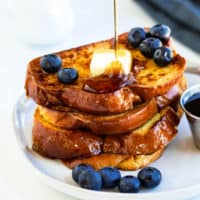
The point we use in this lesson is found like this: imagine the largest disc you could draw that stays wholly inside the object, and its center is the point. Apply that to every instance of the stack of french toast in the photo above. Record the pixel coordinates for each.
(121, 120)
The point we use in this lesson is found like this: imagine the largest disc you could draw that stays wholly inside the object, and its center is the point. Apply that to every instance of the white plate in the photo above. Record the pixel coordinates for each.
(180, 164)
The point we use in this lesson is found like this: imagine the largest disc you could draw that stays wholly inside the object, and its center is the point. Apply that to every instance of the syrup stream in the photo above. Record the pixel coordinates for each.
(115, 27)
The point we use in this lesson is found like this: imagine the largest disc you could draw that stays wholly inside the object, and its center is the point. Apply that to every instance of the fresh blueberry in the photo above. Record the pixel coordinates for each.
(51, 63)
(90, 179)
(149, 177)
(135, 36)
(149, 45)
(161, 31)
(110, 177)
(67, 75)
(78, 169)
(129, 184)
(163, 56)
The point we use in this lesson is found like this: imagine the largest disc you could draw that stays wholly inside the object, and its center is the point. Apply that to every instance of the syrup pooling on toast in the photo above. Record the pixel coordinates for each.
(106, 83)
(111, 80)
(116, 74)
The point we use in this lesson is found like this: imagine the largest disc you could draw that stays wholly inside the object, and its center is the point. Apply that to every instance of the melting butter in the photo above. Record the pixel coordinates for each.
(104, 61)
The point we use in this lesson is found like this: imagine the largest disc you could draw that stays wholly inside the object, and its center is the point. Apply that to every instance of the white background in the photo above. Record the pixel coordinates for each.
(92, 21)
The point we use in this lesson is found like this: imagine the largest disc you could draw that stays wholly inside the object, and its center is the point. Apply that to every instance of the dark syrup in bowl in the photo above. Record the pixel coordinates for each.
(193, 104)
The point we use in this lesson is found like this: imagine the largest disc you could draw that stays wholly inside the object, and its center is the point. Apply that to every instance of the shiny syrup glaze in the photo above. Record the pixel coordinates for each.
(106, 83)
(193, 104)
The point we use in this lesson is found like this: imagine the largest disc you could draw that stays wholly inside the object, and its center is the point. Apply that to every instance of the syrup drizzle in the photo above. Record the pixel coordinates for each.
(115, 3)
(113, 78)
(106, 83)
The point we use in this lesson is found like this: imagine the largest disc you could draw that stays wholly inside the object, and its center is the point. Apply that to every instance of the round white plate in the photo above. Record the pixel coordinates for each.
(179, 165)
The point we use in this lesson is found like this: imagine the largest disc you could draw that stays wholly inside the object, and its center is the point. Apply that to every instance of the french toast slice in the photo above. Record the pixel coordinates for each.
(147, 139)
(172, 97)
(55, 142)
(120, 161)
(114, 124)
(102, 124)
(151, 81)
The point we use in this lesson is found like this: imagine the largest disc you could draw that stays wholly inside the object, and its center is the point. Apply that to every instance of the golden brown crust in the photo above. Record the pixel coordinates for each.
(172, 97)
(123, 162)
(139, 161)
(72, 98)
(53, 142)
(154, 81)
(104, 125)
(154, 135)
(151, 80)
(115, 124)
(60, 143)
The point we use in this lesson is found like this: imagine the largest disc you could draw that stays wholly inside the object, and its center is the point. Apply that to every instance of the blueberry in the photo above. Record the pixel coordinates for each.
(67, 75)
(149, 45)
(129, 184)
(163, 56)
(161, 31)
(135, 36)
(78, 169)
(51, 63)
(90, 179)
(149, 177)
(110, 177)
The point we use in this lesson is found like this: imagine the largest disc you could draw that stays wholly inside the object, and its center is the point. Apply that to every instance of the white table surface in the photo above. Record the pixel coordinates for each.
(93, 21)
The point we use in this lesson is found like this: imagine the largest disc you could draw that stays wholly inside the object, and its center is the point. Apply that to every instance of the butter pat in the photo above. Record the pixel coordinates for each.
(104, 58)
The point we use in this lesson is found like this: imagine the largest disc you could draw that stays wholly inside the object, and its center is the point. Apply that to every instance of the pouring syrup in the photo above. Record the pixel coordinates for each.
(115, 5)
(113, 78)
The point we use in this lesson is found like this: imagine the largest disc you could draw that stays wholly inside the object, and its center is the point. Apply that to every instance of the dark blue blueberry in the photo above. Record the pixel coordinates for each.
(51, 63)
(67, 75)
(163, 56)
(149, 177)
(129, 184)
(161, 31)
(149, 45)
(78, 169)
(110, 177)
(90, 179)
(135, 36)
